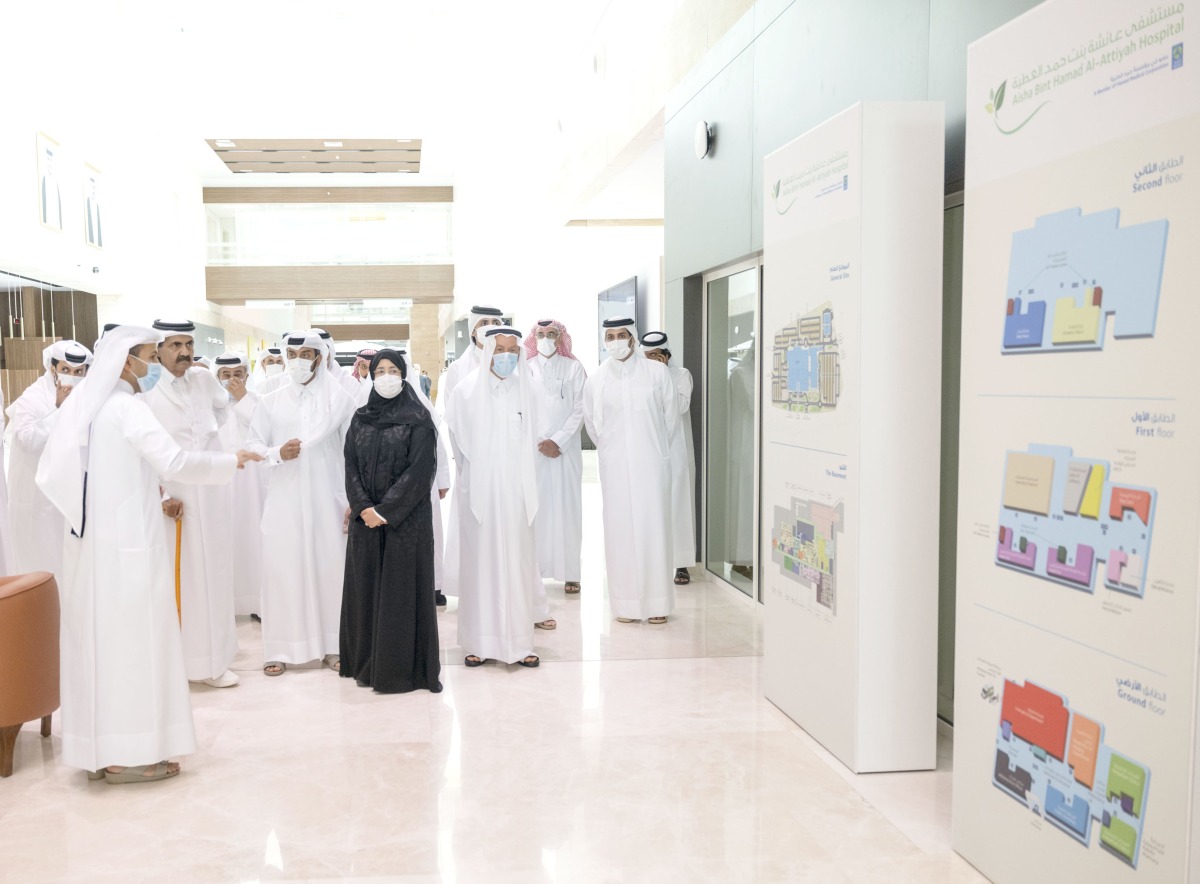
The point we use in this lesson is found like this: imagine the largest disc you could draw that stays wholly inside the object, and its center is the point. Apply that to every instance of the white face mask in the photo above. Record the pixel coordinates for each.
(547, 347)
(68, 380)
(618, 347)
(300, 370)
(389, 385)
(273, 370)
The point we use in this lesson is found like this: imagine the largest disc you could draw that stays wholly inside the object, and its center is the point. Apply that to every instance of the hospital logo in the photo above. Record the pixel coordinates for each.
(1177, 56)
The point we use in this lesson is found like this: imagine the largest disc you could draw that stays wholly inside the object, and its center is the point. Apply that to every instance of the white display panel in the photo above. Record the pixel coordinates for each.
(1079, 486)
(850, 439)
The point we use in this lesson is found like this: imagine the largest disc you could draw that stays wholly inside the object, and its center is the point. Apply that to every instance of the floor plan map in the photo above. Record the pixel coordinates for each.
(1069, 272)
(804, 546)
(1055, 762)
(806, 371)
(1062, 515)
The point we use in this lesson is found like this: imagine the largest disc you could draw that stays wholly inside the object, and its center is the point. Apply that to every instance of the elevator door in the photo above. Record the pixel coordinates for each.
(731, 418)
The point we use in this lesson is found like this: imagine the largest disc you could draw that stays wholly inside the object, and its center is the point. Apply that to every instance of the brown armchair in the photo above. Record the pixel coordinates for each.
(29, 615)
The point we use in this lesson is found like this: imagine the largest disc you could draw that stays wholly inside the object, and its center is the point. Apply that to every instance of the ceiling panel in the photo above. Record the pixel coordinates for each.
(330, 155)
(324, 166)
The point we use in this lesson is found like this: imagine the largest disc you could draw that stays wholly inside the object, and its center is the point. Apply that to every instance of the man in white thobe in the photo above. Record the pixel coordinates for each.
(441, 486)
(494, 418)
(191, 406)
(125, 700)
(247, 489)
(632, 414)
(37, 527)
(270, 364)
(559, 524)
(683, 459)
(300, 428)
(480, 319)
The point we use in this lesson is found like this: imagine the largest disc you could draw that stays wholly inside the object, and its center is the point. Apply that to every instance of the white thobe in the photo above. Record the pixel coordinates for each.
(192, 409)
(498, 574)
(304, 545)
(124, 688)
(459, 369)
(247, 491)
(559, 523)
(683, 474)
(37, 527)
(633, 442)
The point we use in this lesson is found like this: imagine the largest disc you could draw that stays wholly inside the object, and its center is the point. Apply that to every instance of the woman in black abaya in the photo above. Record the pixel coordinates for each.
(389, 638)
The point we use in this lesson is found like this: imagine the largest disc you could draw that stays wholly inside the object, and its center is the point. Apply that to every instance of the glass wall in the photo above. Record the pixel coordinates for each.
(269, 234)
(731, 416)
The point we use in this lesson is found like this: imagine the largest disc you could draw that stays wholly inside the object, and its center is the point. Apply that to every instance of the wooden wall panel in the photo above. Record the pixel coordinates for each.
(428, 283)
(329, 194)
(369, 331)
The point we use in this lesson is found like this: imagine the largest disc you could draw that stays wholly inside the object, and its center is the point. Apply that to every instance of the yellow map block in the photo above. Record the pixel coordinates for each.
(1091, 496)
(1075, 325)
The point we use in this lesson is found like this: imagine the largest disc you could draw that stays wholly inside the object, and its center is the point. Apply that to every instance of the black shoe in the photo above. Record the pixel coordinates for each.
(256, 618)
(439, 600)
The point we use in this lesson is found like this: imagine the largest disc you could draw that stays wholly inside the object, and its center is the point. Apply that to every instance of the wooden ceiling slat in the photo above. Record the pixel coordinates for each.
(324, 167)
(293, 156)
(314, 143)
(226, 195)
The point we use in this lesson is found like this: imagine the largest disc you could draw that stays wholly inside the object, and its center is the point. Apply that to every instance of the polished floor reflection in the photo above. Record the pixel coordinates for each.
(634, 753)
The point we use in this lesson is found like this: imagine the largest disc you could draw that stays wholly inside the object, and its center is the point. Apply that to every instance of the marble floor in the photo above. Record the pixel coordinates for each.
(634, 753)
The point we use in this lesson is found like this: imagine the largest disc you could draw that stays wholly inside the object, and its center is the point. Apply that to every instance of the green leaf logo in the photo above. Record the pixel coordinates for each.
(775, 189)
(996, 101)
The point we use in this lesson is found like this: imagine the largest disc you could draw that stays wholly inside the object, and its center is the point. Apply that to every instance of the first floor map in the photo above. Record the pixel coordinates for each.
(1055, 761)
(804, 546)
(1062, 515)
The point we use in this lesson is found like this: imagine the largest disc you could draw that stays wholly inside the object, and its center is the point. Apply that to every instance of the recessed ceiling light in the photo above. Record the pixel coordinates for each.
(333, 144)
(225, 142)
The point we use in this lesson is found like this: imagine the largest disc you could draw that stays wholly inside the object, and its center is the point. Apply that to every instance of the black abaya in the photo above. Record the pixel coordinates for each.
(389, 638)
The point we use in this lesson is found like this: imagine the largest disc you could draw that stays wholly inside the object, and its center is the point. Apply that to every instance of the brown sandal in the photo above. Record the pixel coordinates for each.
(572, 587)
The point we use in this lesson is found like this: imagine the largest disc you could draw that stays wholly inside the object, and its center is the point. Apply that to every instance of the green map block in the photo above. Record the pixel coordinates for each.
(1125, 777)
(1119, 837)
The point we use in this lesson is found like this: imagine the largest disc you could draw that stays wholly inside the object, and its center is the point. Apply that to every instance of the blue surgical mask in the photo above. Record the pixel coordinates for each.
(153, 373)
(504, 364)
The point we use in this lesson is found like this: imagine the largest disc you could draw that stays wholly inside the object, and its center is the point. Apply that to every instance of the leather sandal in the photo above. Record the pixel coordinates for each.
(472, 661)
(280, 667)
(145, 773)
(572, 587)
(547, 624)
(532, 661)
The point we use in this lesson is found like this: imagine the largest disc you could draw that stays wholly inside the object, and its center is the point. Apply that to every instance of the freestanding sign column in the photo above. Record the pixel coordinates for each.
(1079, 488)
(850, 440)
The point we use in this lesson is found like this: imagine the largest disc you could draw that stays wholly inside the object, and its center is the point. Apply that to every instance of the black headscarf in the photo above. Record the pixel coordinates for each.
(404, 408)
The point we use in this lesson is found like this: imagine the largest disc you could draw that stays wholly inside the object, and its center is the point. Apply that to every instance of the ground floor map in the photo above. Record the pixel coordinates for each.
(1055, 761)
(1061, 516)
(804, 546)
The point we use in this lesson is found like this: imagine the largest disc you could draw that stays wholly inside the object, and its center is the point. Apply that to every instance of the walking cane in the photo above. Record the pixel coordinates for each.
(178, 550)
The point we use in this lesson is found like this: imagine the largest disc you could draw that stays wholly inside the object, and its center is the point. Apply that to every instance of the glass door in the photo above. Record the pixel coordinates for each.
(731, 416)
